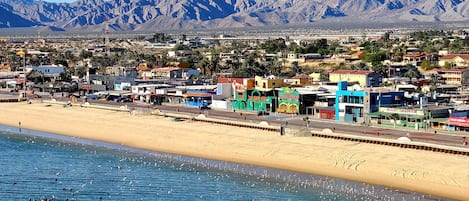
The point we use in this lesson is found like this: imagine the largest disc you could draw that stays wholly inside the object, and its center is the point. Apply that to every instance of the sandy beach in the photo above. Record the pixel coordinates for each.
(434, 173)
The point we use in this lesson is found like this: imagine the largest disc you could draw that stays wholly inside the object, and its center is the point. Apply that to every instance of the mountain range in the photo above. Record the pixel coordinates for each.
(141, 15)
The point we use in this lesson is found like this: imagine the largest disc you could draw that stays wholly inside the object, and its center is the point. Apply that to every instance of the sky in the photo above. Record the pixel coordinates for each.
(60, 1)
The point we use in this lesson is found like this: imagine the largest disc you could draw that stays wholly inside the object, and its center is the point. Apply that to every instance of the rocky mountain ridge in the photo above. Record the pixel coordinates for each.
(95, 15)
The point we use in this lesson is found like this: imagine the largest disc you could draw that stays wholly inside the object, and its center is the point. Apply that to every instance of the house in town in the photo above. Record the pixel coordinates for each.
(353, 105)
(258, 96)
(50, 72)
(454, 76)
(455, 60)
(363, 77)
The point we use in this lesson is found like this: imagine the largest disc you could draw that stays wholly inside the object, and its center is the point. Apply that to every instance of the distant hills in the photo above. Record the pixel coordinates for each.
(95, 15)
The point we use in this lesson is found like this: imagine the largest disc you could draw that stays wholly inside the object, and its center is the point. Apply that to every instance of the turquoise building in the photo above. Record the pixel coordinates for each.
(354, 105)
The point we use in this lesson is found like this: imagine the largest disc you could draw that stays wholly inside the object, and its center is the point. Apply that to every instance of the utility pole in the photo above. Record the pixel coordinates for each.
(24, 74)
(106, 40)
(22, 53)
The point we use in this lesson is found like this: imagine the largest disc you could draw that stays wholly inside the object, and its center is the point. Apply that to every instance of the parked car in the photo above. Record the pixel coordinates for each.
(91, 97)
(260, 113)
(113, 98)
(125, 100)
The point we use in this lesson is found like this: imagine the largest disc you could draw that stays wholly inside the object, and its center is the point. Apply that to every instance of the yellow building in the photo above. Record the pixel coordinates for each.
(264, 84)
(455, 60)
(362, 77)
(454, 76)
(315, 77)
(298, 80)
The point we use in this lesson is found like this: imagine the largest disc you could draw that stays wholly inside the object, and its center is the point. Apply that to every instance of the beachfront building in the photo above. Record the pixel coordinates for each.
(418, 117)
(353, 106)
(255, 101)
(197, 98)
(362, 77)
(295, 100)
(288, 101)
(458, 121)
(323, 106)
(225, 92)
(256, 95)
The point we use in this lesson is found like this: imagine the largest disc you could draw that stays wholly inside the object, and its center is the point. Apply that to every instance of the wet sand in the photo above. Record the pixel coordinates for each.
(428, 172)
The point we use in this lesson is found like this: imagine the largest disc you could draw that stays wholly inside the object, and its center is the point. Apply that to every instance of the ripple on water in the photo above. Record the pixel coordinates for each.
(39, 165)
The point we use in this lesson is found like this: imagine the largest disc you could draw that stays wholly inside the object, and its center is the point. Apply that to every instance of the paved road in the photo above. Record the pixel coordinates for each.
(443, 138)
(297, 122)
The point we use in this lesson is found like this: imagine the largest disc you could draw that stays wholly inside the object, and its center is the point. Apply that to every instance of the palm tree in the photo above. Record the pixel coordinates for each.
(411, 72)
(203, 66)
(306, 120)
(394, 118)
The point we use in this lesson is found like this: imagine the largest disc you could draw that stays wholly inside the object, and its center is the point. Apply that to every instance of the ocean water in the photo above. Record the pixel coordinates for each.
(41, 166)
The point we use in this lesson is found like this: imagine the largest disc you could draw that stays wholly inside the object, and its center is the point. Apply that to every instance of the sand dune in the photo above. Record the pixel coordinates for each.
(423, 171)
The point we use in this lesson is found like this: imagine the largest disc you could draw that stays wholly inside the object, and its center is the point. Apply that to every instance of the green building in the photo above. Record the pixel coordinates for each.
(255, 101)
(288, 101)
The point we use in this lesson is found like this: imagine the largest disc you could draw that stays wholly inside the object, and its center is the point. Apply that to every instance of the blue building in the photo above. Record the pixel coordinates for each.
(200, 99)
(353, 105)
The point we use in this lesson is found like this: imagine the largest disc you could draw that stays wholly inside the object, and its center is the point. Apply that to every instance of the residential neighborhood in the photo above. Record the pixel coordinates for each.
(416, 80)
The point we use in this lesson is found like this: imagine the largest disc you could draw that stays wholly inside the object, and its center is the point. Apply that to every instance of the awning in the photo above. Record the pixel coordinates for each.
(439, 120)
(460, 124)
(387, 114)
(197, 94)
(378, 114)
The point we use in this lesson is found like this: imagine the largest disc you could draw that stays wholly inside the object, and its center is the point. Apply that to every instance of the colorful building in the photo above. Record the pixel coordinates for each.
(288, 101)
(200, 99)
(296, 100)
(255, 101)
(258, 95)
(458, 121)
(353, 105)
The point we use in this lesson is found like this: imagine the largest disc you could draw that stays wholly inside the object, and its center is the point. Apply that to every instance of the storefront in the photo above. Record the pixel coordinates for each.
(288, 101)
(255, 101)
(401, 117)
(458, 121)
(200, 99)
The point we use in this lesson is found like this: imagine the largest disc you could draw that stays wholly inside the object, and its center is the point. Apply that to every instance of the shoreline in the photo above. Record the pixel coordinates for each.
(426, 172)
(302, 180)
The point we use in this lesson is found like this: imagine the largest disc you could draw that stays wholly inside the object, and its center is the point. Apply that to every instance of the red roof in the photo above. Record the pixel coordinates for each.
(197, 94)
(361, 72)
(164, 69)
(452, 56)
(229, 80)
(460, 124)
(453, 70)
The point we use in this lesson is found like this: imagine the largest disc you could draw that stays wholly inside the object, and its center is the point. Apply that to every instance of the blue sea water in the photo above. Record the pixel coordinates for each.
(41, 166)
